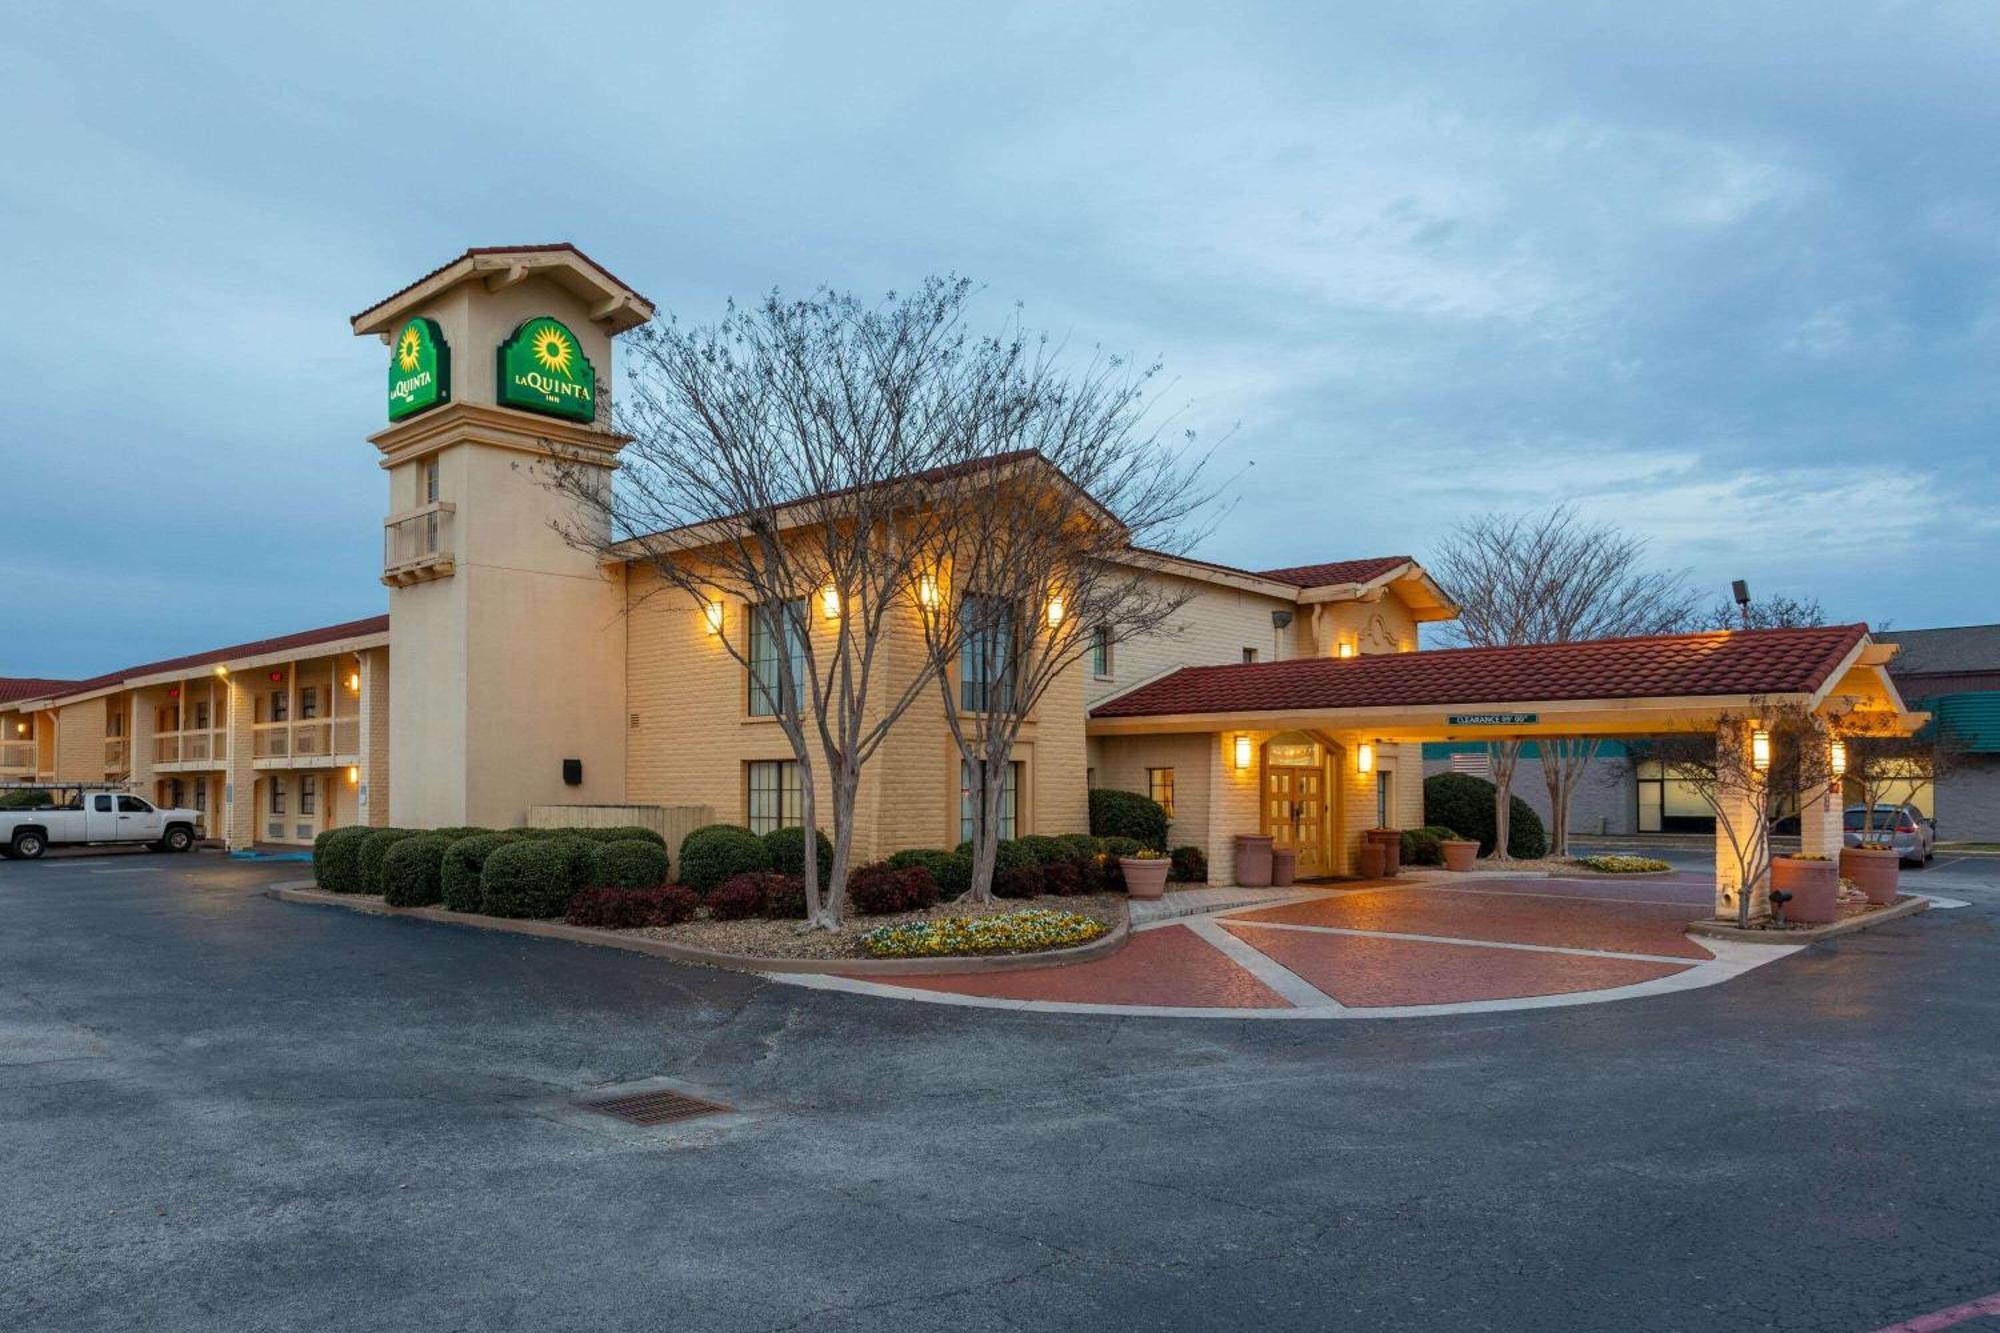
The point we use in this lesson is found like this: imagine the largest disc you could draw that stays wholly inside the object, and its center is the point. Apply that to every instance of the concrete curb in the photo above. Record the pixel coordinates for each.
(1896, 911)
(302, 891)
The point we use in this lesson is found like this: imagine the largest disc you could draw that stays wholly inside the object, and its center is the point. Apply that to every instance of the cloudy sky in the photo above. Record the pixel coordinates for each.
(1725, 274)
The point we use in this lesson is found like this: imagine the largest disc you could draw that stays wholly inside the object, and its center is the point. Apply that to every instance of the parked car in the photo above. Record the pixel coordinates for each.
(83, 815)
(1903, 827)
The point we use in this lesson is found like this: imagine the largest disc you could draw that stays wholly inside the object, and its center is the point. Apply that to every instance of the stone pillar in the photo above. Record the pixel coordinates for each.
(1820, 820)
(1738, 794)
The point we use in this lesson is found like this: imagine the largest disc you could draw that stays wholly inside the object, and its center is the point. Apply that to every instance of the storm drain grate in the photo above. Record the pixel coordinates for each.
(654, 1108)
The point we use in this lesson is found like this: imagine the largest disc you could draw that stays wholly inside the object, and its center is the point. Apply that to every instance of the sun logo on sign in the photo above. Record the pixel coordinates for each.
(409, 349)
(552, 350)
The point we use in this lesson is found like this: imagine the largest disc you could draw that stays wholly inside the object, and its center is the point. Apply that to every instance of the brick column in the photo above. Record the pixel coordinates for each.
(1820, 821)
(1737, 790)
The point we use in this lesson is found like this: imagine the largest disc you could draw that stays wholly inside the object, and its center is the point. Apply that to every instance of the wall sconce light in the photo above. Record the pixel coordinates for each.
(1346, 648)
(1837, 757)
(1364, 757)
(829, 602)
(221, 670)
(1055, 610)
(354, 682)
(1760, 750)
(353, 774)
(1242, 756)
(20, 728)
(712, 613)
(928, 592)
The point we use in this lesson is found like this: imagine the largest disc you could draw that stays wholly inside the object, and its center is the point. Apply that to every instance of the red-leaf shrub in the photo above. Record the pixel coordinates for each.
(785, 896)
(1025, 882)
(1065, 878)
(629, 909)
(878, 889)
(737, 899)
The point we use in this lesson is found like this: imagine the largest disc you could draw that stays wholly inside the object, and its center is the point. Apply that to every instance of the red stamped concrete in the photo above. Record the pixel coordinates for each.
(1694, 892)
(1168, 966)
(1370, 973)
(1528, 915)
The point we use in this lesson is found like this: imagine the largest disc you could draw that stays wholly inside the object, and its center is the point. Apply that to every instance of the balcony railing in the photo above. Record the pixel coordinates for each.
(321, 738)
(187, 747)
(17, 754)
(115, 752)
(418, 545)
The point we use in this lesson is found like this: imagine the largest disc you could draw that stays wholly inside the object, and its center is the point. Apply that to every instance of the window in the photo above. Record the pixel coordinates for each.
(309, 701)
(101, 804)
(200, 796)
(308, 793)
(969, 796)
(766, 673)
(1385, 796)
(1100, 652)
(132, 805)
(277, 796)
(281, 707)
(1160, 786)
(1249, 654)
(115, 724)
(986, 662)
(774, 795)
(201, 715)
(430, 481)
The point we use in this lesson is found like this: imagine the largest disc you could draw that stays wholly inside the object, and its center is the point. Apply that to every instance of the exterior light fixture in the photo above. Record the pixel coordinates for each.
(1364, 757)
(221, 670)
(1837, 758)
(712, 613)
(1242, 747)
(829, 602)
(1760, 750)
(1055, 610)
(928, 592)
(20, 728)
(1347, 648)
(353, 774)
(354, 682)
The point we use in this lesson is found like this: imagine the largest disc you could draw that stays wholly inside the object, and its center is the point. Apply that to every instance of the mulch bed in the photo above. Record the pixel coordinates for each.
(758, 938)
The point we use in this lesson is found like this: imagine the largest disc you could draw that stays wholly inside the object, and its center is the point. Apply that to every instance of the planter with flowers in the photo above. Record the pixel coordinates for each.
(1145, 873)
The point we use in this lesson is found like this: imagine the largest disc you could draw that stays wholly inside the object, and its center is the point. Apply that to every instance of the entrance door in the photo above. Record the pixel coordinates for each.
(1295, 814)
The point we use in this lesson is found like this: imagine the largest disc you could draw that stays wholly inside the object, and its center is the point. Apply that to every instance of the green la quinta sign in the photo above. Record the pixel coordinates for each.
(419, 369)
(543, 369)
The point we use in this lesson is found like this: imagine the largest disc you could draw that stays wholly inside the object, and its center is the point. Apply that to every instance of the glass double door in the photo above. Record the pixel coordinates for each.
(1295, 814)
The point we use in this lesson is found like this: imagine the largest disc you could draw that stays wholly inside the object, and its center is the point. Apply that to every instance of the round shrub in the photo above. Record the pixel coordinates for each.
(1117, 847)
(458, 878)
(1065, 879)
(784, 896)
(1463, 802)
(1045, 850)
(715, 853)
(1008, 855)
(1190, 866)
(951, 872)
(626, 833)
(878, 889)
(531, 877)
(737, 898)
(337, 858)
(1425, 846)
(461, 831)
(1127, 814)
(412, 871)
(786, 850)
(368, 861)
(629, 863)
(630, 909)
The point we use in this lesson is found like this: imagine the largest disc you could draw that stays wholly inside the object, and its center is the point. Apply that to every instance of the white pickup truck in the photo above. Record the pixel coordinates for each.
(95, 816)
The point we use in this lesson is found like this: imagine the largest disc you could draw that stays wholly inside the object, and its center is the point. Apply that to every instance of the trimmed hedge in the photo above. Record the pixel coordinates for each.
(1127, 814)
(1046, 850)
(1190, 865)
(534, 877)
(785, 849)
(630, 909)
(458, 877)
(412, 870)
(629, 863)
(337, 858)
(879, 889)
(1008, 855)
(374, 847)
(951, 872)
(716, 853)
(754, 894)
(1425, 846)
(1463, 802)
(1116, 847)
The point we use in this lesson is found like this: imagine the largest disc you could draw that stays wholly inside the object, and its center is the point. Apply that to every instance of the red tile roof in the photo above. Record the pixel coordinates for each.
(349, 629)
(1773, 661)
(1336, 571)
(29, 687)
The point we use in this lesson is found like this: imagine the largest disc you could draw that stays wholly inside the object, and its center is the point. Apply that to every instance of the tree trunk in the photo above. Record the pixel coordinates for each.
(986, 827)
(1505, 755)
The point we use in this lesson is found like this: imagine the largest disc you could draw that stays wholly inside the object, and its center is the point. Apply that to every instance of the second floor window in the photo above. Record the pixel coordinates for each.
(200, 715)
(766, 673)
(309, 701)
(1249, 654)
(986, 661)
(1100, 652)
(430, 481)
(281, 709)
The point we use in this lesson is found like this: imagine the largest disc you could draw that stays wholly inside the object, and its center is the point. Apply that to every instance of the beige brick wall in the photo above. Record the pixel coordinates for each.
(1213, 629)
(80, 742)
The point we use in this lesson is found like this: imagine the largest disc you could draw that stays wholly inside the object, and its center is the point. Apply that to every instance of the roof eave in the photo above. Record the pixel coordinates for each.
(612, 304)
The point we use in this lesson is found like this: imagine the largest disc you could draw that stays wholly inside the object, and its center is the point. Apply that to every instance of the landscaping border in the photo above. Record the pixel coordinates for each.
(303, 891)
(1904, 906)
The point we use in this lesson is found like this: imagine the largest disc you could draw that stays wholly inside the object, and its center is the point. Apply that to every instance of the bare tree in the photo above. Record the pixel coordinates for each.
(1886, 767)
(1748, 785)
(1778, 612)
(1553, 577)
(1039, 562)
(783, 461)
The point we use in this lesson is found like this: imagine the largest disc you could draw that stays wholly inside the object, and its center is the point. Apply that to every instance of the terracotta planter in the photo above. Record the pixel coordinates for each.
(1369, 860)
(1460, 853)
(1390, 840)
(1814, 886)
(1284, 869)
(1145, 878)
(1874, 873)
(1253, 860)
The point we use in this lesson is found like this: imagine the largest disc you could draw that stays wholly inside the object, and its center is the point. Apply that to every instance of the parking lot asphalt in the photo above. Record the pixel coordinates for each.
(219, 1111)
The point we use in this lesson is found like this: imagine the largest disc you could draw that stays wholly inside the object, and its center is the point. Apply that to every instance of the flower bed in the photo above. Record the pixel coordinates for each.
(1623, 865)
(1014, 932)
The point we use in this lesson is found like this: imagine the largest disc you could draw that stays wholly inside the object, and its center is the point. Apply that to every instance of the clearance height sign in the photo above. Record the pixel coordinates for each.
(542, 368)
(419, 369)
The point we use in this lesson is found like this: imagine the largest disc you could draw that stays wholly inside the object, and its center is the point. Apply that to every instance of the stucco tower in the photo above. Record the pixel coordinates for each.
(508, 641)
